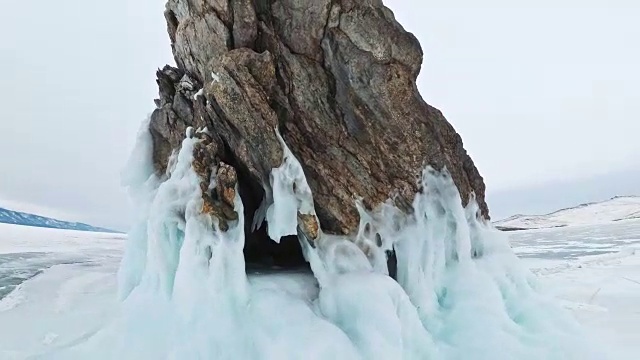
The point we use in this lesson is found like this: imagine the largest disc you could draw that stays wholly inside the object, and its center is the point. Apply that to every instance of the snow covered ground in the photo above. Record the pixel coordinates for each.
(57, 287)
(612, 210)
(68, 288)
(595, 271)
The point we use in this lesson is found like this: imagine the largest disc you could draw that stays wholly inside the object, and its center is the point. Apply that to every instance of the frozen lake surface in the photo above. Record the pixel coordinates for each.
(58, 287)
(595, 271)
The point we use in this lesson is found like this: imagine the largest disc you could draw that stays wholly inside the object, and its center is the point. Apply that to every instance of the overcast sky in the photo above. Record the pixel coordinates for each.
(543, 94)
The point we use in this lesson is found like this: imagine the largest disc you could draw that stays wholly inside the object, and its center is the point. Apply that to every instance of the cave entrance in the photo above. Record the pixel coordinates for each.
(260, 252)
(263, 254)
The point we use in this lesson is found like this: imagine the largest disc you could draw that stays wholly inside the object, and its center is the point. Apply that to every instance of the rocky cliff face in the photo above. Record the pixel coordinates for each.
(337, 78)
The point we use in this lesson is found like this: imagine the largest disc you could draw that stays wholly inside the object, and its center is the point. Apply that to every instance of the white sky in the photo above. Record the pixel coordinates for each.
(541, 91)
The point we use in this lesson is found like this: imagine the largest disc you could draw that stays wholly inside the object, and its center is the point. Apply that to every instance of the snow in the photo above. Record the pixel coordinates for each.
(184, 292)
(67, 288)
(26, 239)
(615, 209)
(592, 287)
(602, 287)
(53, 304)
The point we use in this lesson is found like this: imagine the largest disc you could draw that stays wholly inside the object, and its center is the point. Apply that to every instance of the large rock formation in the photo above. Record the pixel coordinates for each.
(337, 78)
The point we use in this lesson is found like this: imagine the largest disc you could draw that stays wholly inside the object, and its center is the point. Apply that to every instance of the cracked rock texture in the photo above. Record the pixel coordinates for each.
(336, 77)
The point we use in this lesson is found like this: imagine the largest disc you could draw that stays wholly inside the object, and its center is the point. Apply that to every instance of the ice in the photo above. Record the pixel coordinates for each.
(460, 291)
(592, 287)
(15, 298)
(194, 299)
(70, 290)
(468, 292)
(261, 213)
(596, 288)
(28, 239)
(290, 194)
(49, 338)
(139, 178)
(377, 316)
(204, 130)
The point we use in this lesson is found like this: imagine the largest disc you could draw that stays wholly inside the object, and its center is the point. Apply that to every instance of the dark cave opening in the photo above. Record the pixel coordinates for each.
(260, 252)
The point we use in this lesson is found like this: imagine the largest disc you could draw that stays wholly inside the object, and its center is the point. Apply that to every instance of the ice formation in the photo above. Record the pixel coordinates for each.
(460, 291)
(290, 194)
(140, 180)
(198, 94)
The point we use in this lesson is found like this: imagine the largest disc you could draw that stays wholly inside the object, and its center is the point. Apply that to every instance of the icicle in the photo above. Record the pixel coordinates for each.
(291, 195)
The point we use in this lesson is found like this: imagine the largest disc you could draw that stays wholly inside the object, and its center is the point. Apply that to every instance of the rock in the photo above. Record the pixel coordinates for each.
(197, 34)
(309, 224)
(337, 78)
(300, 25)
(245, 24)
(226, 182)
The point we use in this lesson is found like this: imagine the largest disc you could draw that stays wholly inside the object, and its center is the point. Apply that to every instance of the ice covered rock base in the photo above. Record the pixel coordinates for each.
(460, 291)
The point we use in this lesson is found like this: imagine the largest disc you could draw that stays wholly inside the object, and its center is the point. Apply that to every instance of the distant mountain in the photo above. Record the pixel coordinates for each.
(614, 209)
(21, 218)
(546, 197)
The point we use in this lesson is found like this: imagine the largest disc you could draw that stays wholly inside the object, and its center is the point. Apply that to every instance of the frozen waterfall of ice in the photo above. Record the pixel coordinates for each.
(460, 291)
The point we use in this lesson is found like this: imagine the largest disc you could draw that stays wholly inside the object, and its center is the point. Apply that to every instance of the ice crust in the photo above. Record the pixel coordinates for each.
(460, 292)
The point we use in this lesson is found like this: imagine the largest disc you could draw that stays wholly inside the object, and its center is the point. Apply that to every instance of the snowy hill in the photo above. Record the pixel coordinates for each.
(614, 209)
(21, 218)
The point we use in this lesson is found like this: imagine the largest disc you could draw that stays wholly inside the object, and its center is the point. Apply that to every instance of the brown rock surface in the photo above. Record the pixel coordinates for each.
(336, 77)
